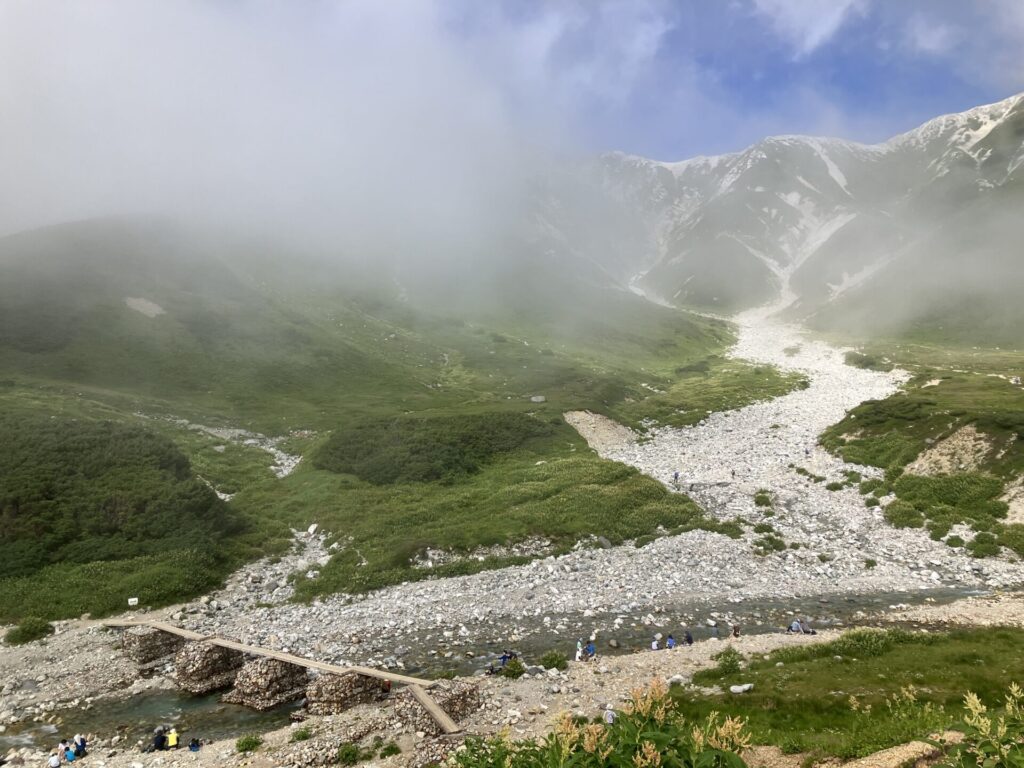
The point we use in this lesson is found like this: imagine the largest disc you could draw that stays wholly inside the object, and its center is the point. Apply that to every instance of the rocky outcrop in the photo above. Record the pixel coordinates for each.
(201, 667)
(265, 683)
(456, 697)
(331, 694)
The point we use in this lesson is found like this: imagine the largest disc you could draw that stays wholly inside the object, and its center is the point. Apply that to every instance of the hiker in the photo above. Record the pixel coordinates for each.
(54, 761)
(590, 651)
(79, 745)
(172, 738)
(579, 649)
(654, 645)
(490, 670)
(194, 745)
(69, 755)
(805, 628)
(670, 642)
(159, 740)
(675, 479)
(794, 627)
(735, 630)
(63, 747)
(506, 657)
(688, 638)
(609, 715)
(715, 633)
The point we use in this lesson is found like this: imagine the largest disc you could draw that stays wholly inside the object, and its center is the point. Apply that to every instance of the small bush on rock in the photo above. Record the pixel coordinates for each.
(553, 660)
(390, 749)
(513, 670)
(902, 514)
(349, 754)
(249, 743)
(301, 734)
(983, 545)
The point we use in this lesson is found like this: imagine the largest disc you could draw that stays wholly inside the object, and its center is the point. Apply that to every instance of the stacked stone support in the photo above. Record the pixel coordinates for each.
(457, 698)
(146, 646)
(201, 667)
(331, 694)
(264, 683)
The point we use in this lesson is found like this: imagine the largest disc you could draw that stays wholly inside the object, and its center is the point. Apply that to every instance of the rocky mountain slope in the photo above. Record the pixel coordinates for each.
(843, 229)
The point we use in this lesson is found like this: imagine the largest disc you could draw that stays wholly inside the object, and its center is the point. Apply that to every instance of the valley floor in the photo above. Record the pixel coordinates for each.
(844, 547)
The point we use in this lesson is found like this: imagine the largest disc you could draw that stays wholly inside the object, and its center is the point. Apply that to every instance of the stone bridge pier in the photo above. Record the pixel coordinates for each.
(201, 667)
(264, 683)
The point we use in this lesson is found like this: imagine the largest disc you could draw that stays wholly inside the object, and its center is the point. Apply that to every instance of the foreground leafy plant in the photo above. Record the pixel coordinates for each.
(990, 742)
(648, 733)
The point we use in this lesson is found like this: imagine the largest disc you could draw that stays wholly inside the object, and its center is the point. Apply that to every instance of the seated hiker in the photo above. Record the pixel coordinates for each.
(54, 761)
(688, 638)
(79, 744)
(670, 642)
(654, 644)
(172, 738)
(579, 649)
(69, 755)
(159, 740)
(735, 630)
(490, 669)
(590, 651)
(805, 628)
(794, 627)
(193, 746)
(506, 657)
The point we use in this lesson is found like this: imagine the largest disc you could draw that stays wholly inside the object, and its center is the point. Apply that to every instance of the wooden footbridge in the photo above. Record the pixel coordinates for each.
(417, 686)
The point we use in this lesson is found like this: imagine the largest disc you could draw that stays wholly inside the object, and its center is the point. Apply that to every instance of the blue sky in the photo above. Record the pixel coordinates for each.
(674, 79)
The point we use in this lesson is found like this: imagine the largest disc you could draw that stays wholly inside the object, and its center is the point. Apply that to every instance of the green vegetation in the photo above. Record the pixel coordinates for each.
(420, 423)
(903, 514)
(714, 384)
(30, 628)
(870, 362)
(350, 753)
(77, 492)
(648, 732)
(729, 663)
(545, 489)
(865, 691)
(407, 450)
(390, 749)
(249, 743)
(763, 498)
(301, 734)
(554, 660)
(989, 740)
(513, 670)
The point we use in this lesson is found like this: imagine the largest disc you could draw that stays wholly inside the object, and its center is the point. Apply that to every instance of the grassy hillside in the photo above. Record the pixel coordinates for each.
(426, 421)
(952, 388)
(866, 691)
(99, 495)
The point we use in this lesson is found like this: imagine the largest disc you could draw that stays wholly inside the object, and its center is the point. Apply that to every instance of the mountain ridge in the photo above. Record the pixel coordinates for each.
(817, 219)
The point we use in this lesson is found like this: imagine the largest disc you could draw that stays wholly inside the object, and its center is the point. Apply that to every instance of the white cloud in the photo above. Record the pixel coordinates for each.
(930, 36)
(807, 24)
